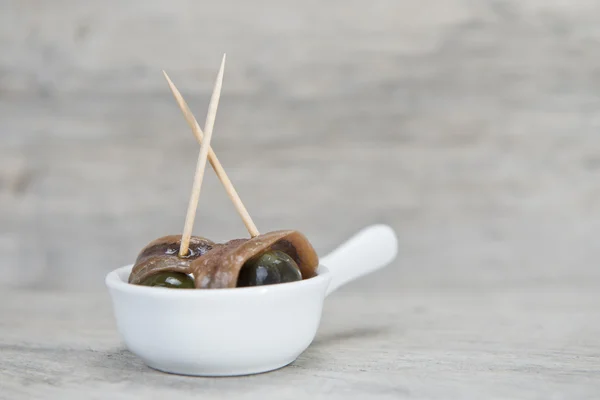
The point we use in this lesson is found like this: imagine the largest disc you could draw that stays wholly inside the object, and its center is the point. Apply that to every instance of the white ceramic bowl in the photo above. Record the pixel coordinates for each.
(239, 331)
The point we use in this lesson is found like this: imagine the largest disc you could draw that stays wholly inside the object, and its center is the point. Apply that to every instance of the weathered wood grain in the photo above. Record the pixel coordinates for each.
(471, 128)
(526, 344)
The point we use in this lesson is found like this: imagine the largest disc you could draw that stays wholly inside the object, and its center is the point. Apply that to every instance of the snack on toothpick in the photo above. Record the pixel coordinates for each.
(195, 262)
(273, 257)
(158, 264)
(165, 261)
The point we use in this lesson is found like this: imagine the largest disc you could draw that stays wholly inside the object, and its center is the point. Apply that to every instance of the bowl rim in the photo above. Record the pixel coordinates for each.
(114, 282)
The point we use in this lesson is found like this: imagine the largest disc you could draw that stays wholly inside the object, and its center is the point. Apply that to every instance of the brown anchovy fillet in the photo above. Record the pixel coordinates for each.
(162, 255)
(220, 267)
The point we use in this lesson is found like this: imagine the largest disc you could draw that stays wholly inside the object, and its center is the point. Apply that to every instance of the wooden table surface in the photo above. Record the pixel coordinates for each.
(470, 127)
(527, 343)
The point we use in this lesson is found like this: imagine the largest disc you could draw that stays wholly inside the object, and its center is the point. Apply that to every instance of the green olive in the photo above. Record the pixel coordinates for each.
(170, 279)
(269, 268)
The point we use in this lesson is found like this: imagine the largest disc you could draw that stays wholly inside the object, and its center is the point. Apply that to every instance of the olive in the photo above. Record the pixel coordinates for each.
(269, 268)
(169, 279)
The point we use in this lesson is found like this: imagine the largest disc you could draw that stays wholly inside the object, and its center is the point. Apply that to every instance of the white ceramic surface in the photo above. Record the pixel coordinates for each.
(239, 331)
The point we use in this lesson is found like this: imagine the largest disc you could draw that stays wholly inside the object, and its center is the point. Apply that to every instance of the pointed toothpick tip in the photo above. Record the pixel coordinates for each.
(221, 71)
(169, 81)
(180, 102)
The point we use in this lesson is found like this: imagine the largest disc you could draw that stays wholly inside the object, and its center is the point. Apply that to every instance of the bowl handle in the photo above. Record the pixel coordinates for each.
(370, 249)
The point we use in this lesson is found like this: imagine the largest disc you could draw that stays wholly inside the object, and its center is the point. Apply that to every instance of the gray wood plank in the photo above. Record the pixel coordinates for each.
(478, 203)
(529, 344)
(439, 123)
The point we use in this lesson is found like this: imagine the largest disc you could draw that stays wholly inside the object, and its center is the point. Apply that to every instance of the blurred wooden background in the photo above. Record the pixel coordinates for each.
(469, 126)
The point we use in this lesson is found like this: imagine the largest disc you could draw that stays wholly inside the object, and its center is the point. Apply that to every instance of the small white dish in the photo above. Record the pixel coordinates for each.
(238, 331)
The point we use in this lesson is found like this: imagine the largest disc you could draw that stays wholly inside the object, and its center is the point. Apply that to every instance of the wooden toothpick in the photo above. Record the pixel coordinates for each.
(201, 165)
(214, 161)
